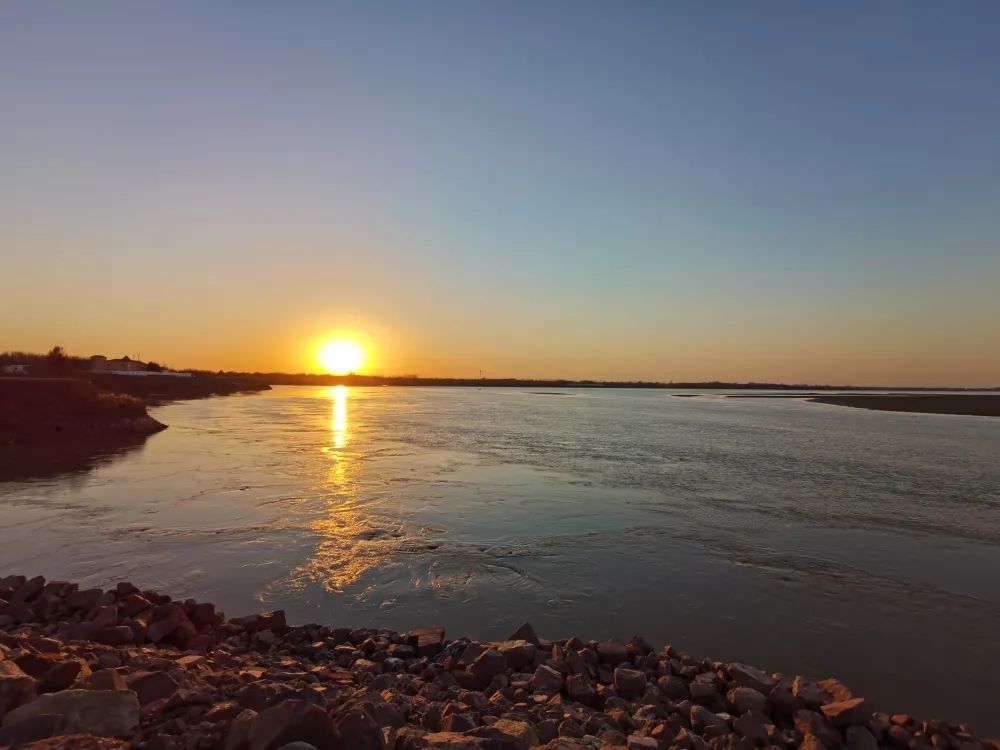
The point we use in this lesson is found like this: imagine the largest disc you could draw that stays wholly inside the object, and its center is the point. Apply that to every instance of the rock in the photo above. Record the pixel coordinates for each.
(518, 654)
(152, 686)
(751, 726)
(611, 653)
(859, 738)
(273, 621)
(507, 734)
(783, 703)
(77, 742)
(238, 736)
(115, 635)
(298, 746)
(673, 687)
(102, 679)
(579, 689)
(16, 688)
(837, 690)
(809, 692)
(546, 680)
(704, 693)
(85, 599)
(110, 713)
(63, 675)
(31, 730)
(452, 741)
(171, 623)
(743, 699)
(458, 722)
(630, 683)
(27, 591)
(809, 722)
(845, 713)
(525, 633)
(746, 676)
(702, 719)
(291, 721)
(359, 731)
(641, 743)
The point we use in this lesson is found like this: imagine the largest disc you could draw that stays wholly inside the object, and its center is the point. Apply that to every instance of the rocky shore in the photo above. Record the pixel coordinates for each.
(86, 668)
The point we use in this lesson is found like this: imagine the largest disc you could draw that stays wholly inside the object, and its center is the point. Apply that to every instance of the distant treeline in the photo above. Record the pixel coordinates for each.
(284, 378)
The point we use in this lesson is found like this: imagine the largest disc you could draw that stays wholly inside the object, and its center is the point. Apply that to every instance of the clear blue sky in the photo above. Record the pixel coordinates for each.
(789, 191)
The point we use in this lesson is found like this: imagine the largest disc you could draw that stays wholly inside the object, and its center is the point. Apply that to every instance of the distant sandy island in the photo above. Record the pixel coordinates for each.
(972, 404)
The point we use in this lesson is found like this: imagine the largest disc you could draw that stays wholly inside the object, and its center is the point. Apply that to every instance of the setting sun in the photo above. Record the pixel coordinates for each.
(341, 357)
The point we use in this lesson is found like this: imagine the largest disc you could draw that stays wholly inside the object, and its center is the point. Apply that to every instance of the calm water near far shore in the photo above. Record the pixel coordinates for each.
(795, 536)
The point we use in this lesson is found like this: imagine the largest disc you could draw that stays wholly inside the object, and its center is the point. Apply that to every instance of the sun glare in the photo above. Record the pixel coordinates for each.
(341, 357)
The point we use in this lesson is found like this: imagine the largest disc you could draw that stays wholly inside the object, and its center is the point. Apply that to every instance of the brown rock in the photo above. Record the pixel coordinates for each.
(238, 736)
(36, 665)
(16, 688)
(171, 623)
(102, 679)
(809, 722)
(837, 690)
(783, 703)
(359, 731)
(746, 676)
(273, 621)
(31, 730)
(611, 653)
(507, 734)
(27, 591)
(85, 599)
(844, 713)
(427, 641)
(104, 712)
(152, 686)
(115, 635)
(290, 721)
(525, 633)
(743, 699)
(673, 687)
(518, 654)
(77, 742)
(546, 680)
(630, 683)
(809, 692)
(703, 719)
(63, 675)
(859, 738)
(579, 688)
(751, 726)
(451, 741)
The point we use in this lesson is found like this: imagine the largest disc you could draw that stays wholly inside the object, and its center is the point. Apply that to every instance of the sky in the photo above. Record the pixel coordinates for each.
(796, 192)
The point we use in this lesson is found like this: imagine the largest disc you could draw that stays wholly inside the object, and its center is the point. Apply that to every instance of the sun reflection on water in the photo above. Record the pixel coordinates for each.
(351, 542)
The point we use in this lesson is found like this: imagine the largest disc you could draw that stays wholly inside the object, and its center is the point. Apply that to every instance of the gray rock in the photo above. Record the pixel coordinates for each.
(108, 713)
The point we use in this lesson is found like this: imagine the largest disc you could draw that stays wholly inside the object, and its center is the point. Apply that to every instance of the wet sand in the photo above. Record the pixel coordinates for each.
(978, 404)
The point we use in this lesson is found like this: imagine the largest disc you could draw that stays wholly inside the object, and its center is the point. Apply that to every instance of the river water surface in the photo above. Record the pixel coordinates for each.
(799, 537)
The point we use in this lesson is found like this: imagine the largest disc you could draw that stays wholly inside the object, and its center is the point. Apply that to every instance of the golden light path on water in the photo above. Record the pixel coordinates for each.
(347, 548)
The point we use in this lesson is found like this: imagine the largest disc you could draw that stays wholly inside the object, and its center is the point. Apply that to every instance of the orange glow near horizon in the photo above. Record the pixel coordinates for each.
(341, 356)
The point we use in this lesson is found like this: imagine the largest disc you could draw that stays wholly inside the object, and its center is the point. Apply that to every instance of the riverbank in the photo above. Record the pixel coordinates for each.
(80, 665)
(43, 410)
(979, 404)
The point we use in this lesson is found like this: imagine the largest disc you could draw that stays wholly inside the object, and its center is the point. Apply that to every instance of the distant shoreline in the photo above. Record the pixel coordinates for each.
(977, 405)
(969, 404)
(280, 378)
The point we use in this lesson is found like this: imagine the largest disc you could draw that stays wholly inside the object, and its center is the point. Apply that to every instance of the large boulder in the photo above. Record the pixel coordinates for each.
(546, 680)
(746, 676)
(109, 713)
(16, 687)
(630, 683)
(293, 721)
